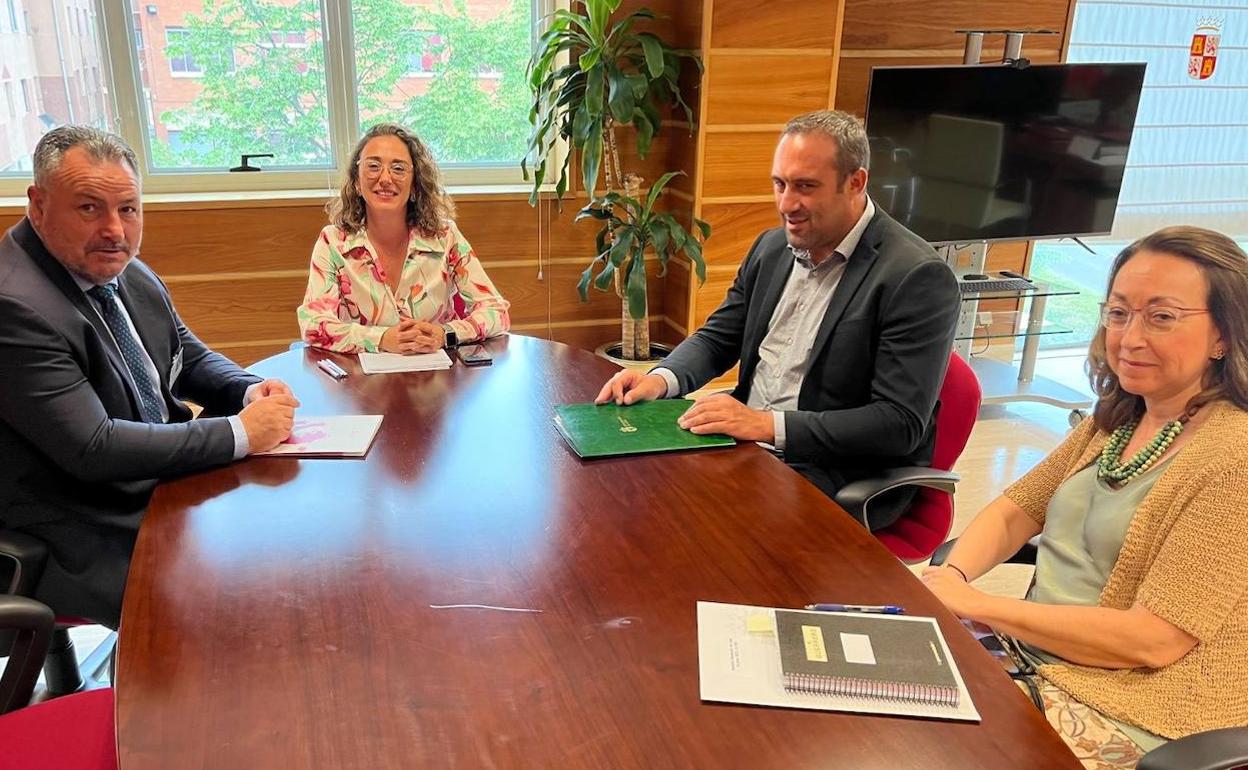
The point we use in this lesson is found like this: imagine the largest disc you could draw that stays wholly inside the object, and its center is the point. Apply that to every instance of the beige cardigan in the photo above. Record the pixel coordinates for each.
(1185, 558)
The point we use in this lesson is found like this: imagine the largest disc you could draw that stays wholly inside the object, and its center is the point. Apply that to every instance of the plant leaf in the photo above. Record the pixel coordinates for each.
(637, 284)
(653, 48)
(657, 189)
(591, 158)
(620, 95)
(603, 281)
(593, 91)
(623, 246)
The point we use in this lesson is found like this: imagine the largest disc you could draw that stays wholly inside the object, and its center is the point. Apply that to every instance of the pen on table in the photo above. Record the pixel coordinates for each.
(879, 609)
(333, 370)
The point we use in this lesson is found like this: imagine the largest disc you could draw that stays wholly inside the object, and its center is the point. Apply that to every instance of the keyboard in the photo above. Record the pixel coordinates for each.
(995, 284)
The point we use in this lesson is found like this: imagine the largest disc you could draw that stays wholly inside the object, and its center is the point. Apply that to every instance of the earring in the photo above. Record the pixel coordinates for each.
(1217, 355)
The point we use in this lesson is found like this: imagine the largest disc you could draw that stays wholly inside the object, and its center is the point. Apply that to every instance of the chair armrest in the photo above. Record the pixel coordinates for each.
(1212, 750)
(1024, 555)
(22, 559)
(31, 625)
(856, 496)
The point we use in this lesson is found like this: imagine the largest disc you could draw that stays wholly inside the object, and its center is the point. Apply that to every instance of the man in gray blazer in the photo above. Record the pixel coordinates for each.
(94, 366)
(842, 321)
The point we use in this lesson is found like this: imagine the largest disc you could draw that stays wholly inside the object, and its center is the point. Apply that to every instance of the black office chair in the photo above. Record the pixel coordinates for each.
(22, 560)
(77, 732)
(1225, 749)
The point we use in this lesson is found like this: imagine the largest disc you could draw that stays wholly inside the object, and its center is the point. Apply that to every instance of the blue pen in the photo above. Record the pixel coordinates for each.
(879, 609)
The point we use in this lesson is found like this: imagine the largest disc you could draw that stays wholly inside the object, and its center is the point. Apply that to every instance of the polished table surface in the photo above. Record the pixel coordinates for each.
(280, 613)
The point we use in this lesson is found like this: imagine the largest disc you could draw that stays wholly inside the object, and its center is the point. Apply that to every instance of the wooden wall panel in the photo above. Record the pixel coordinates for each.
(232, 311)
(907, 24)
(529, 296)
(590, 336)
(854, 77)
(712, 294)
(676, 288)
(736, 227)
(766, 88)
(751, 24)
(199, 242)
(737, 164)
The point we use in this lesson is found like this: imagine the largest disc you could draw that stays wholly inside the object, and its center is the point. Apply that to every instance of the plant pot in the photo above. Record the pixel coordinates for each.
(611, 352)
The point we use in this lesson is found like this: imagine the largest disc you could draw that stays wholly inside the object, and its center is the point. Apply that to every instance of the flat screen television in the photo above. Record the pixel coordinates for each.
(982, 153)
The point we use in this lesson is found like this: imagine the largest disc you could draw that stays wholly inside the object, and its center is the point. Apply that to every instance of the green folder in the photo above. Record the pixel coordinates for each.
(609, 430)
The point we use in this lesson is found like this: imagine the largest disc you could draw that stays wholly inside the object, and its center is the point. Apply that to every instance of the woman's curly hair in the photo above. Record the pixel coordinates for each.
(428, 209)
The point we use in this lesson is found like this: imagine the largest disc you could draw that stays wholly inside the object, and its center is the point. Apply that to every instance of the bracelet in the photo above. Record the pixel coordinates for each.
(960, 572)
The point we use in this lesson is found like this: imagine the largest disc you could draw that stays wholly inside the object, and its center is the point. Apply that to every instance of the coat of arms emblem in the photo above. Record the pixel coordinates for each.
(1203, 55)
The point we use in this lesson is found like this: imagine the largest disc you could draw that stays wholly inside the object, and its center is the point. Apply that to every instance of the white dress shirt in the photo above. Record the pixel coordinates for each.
(241, 444)
(784, 354)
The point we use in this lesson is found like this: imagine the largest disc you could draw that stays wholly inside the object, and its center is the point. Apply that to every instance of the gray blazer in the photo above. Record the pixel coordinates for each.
(79, 464)
(869, 398)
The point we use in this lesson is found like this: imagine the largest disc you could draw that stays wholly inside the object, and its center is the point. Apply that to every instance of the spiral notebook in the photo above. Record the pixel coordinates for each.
(860, 655)
(871, 664)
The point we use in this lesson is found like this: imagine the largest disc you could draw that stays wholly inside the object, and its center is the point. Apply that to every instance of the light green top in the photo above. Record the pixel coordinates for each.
(1084, 528)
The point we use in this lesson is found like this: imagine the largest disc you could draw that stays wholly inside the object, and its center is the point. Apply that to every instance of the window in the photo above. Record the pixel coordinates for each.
(211, 81)
(180, 60)
(12, 15)
(461, 91)
(1188, 163)
(28, 100)
(10, 98)
(426, 53)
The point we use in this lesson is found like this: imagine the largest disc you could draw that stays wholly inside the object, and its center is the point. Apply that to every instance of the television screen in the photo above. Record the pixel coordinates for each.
(970, 153)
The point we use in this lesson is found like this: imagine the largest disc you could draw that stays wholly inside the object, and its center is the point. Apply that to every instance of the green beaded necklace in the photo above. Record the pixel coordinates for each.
(1110, 466)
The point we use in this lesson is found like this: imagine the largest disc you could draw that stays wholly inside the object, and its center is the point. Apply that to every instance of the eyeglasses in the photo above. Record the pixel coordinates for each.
(1157, 319)
(373, 168)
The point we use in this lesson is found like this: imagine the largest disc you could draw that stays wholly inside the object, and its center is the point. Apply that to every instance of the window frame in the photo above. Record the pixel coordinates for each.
(120, 72)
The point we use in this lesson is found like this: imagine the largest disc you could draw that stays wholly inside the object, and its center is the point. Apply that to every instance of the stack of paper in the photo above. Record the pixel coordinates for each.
(384, 363)
(345, 436)
(739, 661)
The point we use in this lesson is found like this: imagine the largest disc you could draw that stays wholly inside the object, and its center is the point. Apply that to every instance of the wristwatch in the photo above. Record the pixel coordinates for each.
(452, 339)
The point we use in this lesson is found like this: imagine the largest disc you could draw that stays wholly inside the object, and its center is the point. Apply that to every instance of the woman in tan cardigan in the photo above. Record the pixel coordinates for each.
(1137, 620)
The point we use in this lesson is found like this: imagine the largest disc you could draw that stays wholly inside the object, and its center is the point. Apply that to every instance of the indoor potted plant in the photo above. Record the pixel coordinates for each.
(613, 76)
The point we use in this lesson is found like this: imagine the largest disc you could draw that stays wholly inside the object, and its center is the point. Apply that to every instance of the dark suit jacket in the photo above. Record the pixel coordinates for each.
(78, 462)
(869, 398)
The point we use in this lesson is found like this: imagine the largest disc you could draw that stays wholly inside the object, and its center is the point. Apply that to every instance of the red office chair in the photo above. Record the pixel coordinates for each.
(918, 533)
(76, 732)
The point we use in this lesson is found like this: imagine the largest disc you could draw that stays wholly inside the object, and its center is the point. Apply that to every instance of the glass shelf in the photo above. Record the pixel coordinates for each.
(1013, 323)
(1037, 290)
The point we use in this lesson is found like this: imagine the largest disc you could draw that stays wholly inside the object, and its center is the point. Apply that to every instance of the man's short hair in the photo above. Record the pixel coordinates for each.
(848, 132)
(100, 145)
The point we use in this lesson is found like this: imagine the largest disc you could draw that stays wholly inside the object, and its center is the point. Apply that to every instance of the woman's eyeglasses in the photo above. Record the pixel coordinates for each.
(373, 168)
(1157, 319)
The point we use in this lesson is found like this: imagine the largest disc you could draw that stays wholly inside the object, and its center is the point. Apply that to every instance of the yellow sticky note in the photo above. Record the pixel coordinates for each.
(813, 636)
(760, 623)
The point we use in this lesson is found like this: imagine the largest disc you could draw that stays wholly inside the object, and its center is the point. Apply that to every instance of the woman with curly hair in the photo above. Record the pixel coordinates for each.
(392, 272)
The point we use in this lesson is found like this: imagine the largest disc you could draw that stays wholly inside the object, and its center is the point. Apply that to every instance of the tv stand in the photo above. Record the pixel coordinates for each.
(1000, 382)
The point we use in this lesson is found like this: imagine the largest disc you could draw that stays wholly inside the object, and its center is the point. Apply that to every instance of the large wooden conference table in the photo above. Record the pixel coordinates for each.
(280, 613)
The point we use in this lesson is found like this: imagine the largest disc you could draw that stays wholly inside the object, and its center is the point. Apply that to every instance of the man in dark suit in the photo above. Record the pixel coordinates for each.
(842, 321)
(94, 365)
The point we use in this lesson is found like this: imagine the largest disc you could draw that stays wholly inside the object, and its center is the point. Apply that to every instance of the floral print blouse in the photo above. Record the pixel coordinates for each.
(348, 305)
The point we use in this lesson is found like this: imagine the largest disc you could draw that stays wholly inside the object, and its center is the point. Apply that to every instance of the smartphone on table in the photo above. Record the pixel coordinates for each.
(475, 355)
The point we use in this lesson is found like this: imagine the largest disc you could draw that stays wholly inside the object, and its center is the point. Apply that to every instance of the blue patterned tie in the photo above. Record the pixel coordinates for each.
(131, 352)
